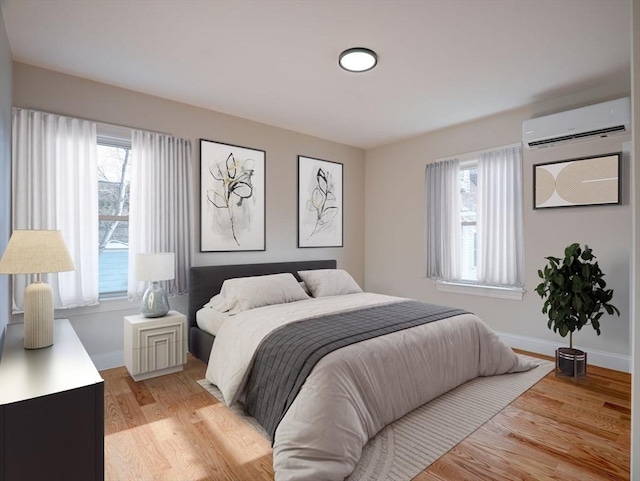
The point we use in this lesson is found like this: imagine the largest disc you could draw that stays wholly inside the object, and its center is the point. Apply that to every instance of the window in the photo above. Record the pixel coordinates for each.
(98, 220)
(474, 212)
(114, 167)
(468, 220)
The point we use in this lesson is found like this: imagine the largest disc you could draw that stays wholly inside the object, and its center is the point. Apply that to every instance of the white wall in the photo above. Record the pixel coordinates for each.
(394, 229)
(5, 168)
(100, 330)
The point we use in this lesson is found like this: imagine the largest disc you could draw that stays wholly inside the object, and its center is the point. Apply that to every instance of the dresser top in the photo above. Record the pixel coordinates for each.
(26, 374)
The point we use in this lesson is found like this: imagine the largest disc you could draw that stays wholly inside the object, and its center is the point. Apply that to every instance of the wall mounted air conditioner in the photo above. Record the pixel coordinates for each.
(599, 120)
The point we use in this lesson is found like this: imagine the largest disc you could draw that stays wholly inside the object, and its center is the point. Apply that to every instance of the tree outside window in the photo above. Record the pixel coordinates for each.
(114, 164)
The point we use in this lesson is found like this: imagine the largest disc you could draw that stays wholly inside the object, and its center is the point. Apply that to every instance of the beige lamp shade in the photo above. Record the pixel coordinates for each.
(36, 252)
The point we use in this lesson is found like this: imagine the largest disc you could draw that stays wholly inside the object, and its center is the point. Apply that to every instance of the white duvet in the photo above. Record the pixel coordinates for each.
(352, 393)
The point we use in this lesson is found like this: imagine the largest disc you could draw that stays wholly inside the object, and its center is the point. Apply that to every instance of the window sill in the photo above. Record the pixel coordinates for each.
(105, 305)
(511, 293)
(109, 304)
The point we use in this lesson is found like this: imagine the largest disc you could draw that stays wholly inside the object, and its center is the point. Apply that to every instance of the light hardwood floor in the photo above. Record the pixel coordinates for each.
(169, 428)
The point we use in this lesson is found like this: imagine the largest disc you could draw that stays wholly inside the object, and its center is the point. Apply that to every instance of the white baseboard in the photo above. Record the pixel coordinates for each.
(108, 360)
(609, 360)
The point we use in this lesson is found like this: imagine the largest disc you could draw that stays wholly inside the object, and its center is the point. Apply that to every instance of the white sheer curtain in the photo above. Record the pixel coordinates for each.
(442, 206)
(54, 162)
(160, 208)
(500, 218)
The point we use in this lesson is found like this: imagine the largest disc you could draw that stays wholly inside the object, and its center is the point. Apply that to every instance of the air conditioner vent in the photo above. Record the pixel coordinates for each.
(591, 122)
(581, 135)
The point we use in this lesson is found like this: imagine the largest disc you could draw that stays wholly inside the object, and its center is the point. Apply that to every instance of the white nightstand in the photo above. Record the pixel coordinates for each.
(155, 346)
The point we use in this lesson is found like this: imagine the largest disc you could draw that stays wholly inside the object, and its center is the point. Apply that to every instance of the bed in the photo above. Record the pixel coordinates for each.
(207, 280)
(320, 424)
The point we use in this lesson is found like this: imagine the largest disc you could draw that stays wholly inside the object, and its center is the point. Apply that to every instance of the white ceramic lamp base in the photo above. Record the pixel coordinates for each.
(38, 316)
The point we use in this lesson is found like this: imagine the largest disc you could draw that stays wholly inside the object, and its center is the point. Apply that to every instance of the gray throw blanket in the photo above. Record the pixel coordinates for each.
(287, 356)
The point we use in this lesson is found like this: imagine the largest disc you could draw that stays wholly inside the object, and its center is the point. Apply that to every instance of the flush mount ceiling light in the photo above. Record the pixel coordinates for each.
(358, 59)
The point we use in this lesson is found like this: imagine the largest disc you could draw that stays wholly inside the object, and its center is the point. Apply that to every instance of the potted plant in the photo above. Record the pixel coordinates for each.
(575, 295)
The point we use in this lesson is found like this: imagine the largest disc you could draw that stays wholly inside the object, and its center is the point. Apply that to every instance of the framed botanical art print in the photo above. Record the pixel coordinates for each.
(232, 198)
(320, 203)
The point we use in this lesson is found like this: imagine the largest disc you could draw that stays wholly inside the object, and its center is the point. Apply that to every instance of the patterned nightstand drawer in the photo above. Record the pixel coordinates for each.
(155, 346)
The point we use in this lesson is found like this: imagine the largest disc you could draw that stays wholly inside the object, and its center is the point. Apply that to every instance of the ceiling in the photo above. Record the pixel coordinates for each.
(441, 62)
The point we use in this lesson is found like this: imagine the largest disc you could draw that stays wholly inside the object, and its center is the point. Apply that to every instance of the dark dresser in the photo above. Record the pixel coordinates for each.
(51, 410)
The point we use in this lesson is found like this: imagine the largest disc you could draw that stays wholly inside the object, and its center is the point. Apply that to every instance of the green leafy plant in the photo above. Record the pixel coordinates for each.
(574, 292)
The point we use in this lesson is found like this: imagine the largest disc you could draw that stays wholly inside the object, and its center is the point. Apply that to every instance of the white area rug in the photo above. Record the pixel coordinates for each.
(406, 447)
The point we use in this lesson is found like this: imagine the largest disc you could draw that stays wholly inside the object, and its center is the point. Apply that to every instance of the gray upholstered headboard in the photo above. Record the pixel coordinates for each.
(205, 282)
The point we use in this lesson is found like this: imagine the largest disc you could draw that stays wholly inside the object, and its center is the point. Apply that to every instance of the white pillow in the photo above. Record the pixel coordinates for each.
(218, 303)
(304, 288)
(244, 293)
(329, 282)
(210, 319)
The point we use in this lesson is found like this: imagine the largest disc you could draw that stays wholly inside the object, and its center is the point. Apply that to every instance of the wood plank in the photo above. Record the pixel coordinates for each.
(114, 420)
(605, 427)
(140, 391)
(615, 407)
(169, 428)
(583, 395)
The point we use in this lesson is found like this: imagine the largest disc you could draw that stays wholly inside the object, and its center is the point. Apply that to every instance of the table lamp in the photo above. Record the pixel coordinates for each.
(37, 252)
(154, 268)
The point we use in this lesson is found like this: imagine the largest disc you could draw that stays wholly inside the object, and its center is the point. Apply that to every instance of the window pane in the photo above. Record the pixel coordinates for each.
(469, 194)
(115, 232)
(468, 201)
(113, 180)
(114, 258)
(113, 200)
(469, 252)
